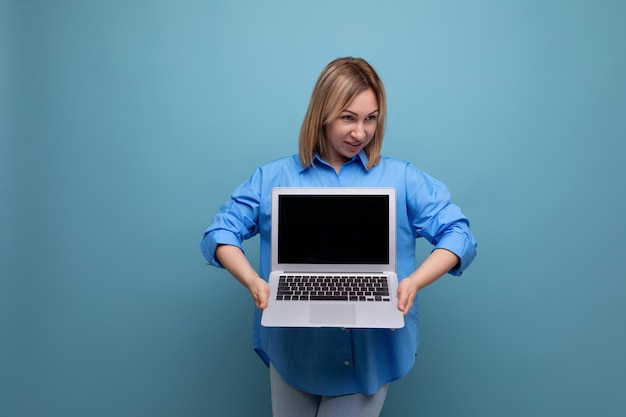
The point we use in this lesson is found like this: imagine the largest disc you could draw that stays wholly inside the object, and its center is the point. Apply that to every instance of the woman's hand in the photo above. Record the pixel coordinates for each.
(407, 291)
(434, 266)
(260, 292)
(235, 262)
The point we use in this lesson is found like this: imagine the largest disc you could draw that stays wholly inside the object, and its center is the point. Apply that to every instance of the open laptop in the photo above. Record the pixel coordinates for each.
(333, 254)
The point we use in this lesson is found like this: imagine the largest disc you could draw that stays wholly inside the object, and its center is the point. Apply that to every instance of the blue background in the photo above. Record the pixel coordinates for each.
(125, 125)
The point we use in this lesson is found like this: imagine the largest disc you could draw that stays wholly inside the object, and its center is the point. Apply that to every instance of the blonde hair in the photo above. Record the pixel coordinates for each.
(337, 85)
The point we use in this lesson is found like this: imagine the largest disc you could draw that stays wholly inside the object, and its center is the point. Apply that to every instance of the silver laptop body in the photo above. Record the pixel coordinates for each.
(333, 260)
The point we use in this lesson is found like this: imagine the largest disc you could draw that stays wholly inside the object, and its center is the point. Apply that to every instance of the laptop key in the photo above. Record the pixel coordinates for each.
(328, 298)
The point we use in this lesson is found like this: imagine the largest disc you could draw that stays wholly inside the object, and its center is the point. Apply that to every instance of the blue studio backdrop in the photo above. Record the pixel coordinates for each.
(125, 125)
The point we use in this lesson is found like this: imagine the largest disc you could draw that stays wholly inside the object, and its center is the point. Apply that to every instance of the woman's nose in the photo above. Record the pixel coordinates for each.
(359, 132)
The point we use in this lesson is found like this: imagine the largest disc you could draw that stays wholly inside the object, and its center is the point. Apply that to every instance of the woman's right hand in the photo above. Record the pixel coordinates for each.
(260, 292)
(235, 262)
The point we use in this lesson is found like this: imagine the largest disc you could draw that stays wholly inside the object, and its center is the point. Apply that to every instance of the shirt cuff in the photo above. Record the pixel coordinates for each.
(461, 246)
(211, 240)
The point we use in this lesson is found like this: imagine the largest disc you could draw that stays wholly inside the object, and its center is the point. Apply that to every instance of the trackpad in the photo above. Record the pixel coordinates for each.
(332, 314)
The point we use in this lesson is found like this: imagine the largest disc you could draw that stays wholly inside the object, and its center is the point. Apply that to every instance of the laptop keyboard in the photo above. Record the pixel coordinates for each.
(333, 288)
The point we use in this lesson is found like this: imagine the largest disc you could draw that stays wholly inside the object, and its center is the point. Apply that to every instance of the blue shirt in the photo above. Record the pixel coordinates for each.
(333, 361)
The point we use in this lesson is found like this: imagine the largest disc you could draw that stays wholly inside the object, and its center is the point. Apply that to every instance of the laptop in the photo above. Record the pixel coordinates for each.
(333, 256)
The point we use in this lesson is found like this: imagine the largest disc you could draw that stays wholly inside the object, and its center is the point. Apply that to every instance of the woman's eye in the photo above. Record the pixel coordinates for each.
(371, 118)
(346, 117)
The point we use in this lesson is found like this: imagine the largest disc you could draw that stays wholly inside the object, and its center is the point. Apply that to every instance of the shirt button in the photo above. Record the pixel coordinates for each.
(347, 363)
(343, 329)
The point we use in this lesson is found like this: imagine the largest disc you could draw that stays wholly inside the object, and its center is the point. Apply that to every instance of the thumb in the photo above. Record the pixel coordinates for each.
(406, 297)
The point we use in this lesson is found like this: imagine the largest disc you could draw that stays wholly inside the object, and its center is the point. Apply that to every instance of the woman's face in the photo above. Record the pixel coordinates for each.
(352, 130)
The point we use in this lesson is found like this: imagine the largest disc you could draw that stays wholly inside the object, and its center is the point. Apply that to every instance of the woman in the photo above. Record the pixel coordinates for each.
(333, 371)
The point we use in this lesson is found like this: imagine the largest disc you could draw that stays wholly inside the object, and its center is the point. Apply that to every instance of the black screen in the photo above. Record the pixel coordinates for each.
(333, 229)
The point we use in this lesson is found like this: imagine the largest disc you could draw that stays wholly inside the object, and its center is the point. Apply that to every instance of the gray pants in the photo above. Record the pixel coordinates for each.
(288, 401)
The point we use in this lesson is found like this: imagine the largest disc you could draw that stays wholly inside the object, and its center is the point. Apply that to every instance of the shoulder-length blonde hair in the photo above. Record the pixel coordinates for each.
(338, 84)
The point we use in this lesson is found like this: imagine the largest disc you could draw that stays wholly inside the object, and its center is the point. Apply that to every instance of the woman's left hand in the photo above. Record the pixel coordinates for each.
(407, 291)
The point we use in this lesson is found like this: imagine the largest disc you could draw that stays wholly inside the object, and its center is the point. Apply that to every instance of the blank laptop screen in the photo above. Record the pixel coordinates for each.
(333, 229)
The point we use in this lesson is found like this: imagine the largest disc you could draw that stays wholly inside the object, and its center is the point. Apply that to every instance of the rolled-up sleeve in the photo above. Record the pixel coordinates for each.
(462, 243)
(436, 219)
(236, 220)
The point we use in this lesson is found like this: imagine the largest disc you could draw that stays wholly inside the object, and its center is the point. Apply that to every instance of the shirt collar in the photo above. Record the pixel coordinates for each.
(360, 157)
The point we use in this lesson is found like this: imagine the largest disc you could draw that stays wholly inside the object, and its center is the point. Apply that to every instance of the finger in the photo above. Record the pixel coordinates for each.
(402, 301)
(263, 299)
(409, 303)
(403, 296)
(260, 302)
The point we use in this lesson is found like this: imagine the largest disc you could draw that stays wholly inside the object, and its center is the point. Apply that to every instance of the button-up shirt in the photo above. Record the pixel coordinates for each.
(337, 361)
